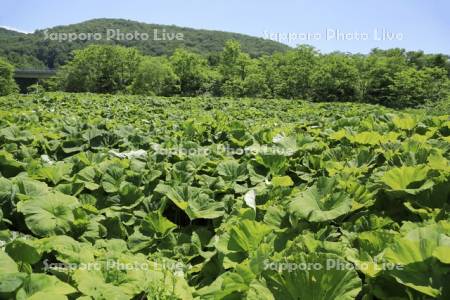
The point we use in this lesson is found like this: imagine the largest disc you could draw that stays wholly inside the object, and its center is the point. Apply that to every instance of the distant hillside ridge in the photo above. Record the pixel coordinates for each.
(50, 48)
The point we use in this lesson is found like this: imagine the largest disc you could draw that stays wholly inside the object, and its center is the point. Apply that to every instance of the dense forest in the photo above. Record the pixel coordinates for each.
(393, 78)
(38, 50)
(210, 63)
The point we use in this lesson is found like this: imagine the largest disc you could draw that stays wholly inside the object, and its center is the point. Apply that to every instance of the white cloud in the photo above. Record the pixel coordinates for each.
(15, 29)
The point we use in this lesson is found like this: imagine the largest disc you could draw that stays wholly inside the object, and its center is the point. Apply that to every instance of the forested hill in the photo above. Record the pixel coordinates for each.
(42, 48)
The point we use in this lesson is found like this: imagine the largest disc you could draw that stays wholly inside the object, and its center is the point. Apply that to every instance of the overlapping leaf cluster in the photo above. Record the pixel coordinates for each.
(218, 198)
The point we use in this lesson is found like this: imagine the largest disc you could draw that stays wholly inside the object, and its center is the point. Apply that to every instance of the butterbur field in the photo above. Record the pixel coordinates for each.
(221, 165)
(113, 201)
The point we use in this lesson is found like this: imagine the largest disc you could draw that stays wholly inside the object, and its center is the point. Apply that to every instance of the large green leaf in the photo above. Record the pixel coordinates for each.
(92, 283)
(23, 250)
(194, 201)
(87, 176)
(282, 181)
(405, 122)
(415, 256)
(129, 193)
(365, 138)
(6, 190)
(10, 282)
(232, 171)
(201, 206)
(10, 278)
(322, 202)
(14, 134)
(41, 286)
(247, 235)
(410, 180)
(28, 188)
(56, 173)
(157, 223)
(9, 167)
(442, 253)
(179, 196)
(231, 285)
(66, 249)
(112, 179)
(7, 264)
(49, 215)
(438, 162)
(317, 277)
(276, 163)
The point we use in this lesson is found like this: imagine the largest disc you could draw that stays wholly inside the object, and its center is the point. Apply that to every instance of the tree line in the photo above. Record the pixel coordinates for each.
(394, 77)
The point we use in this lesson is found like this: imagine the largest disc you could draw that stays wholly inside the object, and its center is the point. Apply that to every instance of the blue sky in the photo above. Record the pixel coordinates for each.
(353, 26)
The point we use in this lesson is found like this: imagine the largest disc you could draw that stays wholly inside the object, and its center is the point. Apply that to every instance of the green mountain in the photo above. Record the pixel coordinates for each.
(51, 47)
(8, 33)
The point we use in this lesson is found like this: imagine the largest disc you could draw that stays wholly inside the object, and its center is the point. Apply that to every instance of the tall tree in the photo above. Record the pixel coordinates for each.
(378, 74)
(412, 87)
(335, 78)
(191, 69)
(7, 83)
(234, 67)
(100, 69)
(155, 76)
(294, 70)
